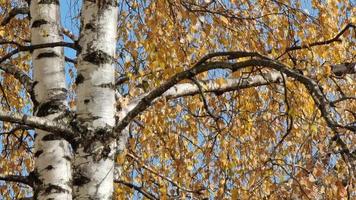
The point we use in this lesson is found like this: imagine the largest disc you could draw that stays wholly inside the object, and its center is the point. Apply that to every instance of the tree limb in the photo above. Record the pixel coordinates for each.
(22, 48)
(305, 46)
(40, 123)
(17, 178)
(211, 86)
(315, 91)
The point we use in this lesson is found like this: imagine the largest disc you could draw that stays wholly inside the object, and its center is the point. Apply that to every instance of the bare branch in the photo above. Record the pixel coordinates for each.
(40, 123)
(13, 13)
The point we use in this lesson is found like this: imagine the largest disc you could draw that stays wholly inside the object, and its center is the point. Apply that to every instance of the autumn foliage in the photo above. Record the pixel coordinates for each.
(269, 141)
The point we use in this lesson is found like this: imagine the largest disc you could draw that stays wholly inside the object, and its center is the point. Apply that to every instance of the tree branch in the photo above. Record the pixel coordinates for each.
(211, 86)
(137, 188)
(315, 91)
(21, 48)
(16, 178)
(305, 46)
(40, 123)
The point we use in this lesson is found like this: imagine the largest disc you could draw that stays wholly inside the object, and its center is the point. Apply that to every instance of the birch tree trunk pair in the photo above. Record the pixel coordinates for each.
(93, 163)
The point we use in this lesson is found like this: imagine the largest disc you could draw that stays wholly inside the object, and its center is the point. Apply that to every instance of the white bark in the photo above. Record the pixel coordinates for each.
(37, 122)
(52, 154)
(94, 158)
(187, 89)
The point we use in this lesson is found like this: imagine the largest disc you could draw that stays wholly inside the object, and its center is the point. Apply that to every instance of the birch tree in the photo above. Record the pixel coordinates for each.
(178, 100)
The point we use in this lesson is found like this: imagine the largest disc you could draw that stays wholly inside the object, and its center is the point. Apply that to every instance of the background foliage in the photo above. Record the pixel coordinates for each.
(266, 142)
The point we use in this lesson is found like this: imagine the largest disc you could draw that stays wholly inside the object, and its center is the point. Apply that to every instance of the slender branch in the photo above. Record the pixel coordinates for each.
(13, 12)
(21, 48)
(306, 46)
(137, 188)
(16, 178)
(40, 123)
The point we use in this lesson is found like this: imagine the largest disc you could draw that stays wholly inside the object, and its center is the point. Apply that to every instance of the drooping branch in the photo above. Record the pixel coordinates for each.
(38, 122)
(198, 68)
(13, 12)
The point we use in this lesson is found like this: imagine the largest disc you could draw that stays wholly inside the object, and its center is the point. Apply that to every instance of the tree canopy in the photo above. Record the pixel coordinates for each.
(215, 99)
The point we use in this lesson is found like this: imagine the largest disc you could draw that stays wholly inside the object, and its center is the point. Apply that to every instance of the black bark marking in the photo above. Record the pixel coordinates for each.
(98, 57)
(90, 26)
(47, 55)
(107, 85)
(104, 4)
(56, 2)
(38, 153)
(86, 101)
(79, 79)
(80, 180)
(50, 107)
(55, 189)
(49, 167)
(106, 151)
(33, 96)
(50, 137)
(38, 23)
(67, 158)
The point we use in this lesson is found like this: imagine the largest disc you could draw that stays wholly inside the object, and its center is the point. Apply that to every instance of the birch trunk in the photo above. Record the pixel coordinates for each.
(52, 154)
(94, 157)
